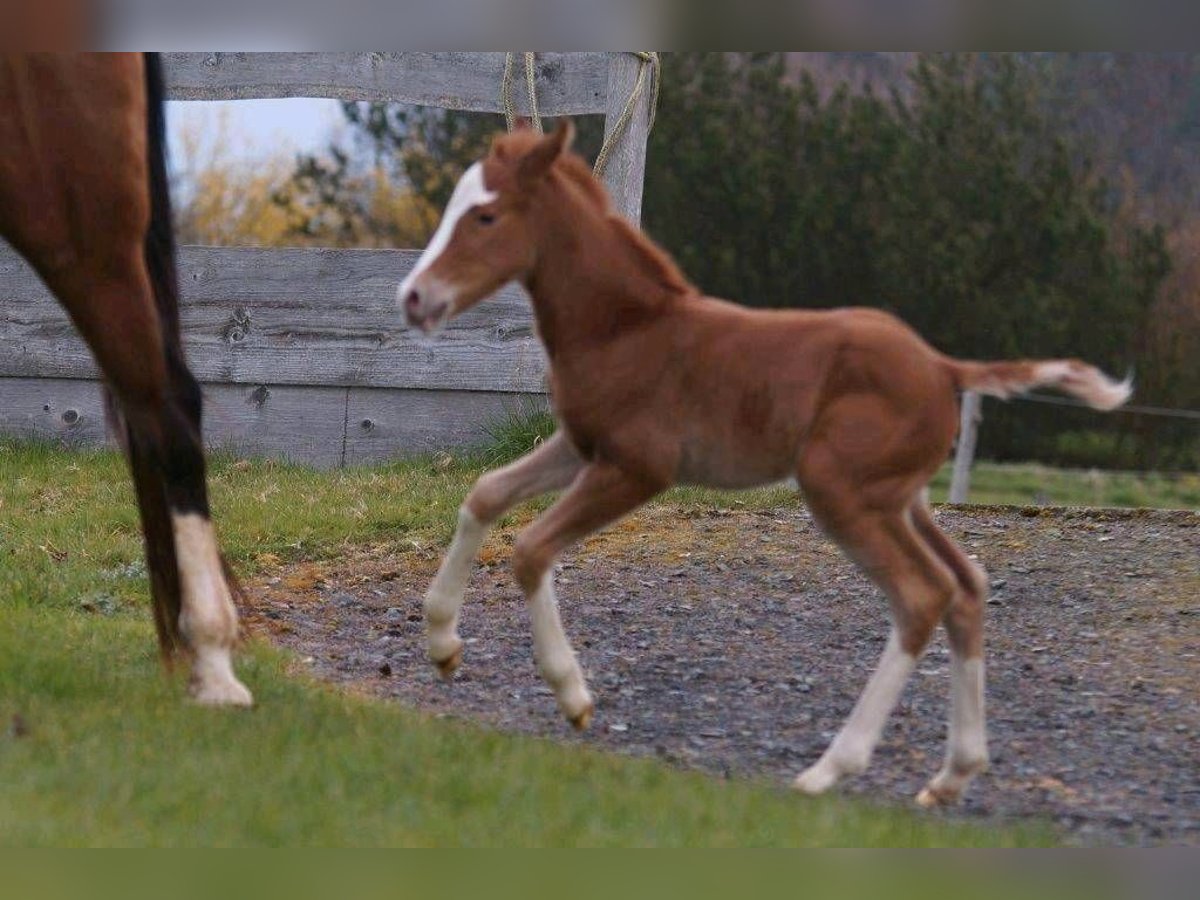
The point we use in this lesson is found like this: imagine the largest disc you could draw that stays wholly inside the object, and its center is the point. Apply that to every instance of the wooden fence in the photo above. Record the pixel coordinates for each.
(302, 352)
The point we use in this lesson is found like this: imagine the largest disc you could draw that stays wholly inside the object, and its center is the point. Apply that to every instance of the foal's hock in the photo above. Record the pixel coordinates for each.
(654, 384)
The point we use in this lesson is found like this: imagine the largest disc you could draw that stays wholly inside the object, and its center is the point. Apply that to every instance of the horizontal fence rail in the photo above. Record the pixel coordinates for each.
(302, 353)
(292, 316)
(568, 84)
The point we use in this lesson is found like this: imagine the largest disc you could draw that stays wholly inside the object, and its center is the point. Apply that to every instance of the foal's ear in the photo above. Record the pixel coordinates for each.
(537, 161)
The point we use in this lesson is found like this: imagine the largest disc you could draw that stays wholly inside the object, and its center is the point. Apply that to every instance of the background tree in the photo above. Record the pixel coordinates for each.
(956, 203)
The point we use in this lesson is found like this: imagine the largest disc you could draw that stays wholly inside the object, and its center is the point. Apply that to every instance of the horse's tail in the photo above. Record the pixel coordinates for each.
(1070, 376)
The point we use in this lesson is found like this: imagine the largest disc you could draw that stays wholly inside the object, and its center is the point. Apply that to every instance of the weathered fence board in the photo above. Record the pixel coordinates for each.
(379, 421)
(292, 316)
(304, 424)
(321, 426)
(567, 83)
(63, 410)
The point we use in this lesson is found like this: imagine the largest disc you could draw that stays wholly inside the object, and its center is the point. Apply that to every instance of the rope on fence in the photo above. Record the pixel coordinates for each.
(650, 67)
(506, 86)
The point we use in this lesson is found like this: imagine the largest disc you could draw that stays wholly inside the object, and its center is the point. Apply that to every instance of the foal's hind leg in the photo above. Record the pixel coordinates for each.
(919, 588)
(600, 495)
(966, 746)
(548, 468)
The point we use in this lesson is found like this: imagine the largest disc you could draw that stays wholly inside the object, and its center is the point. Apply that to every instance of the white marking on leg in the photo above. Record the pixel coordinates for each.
(444, 598)
(966, 745)
(851, 750)
(208, 619)
(555, 658)
(471, 191)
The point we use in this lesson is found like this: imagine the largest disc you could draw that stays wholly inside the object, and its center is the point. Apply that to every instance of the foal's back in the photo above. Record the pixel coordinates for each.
(730, 395)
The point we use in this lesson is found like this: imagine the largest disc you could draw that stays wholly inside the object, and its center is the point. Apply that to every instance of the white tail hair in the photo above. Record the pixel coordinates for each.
(1070, 376)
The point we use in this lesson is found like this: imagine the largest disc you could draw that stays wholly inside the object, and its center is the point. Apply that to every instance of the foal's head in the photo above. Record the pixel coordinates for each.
(486, 237)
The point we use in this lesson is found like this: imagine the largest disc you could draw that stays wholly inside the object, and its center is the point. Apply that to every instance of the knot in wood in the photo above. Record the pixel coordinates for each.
(238, 327)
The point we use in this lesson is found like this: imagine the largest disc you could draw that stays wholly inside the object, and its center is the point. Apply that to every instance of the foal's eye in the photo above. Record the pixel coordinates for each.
(486, 218)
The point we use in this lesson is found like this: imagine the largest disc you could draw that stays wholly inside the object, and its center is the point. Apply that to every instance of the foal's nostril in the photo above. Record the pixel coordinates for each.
(412, 301)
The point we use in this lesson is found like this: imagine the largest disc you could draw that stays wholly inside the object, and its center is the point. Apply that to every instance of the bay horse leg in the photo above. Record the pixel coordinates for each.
(159, 401)
(600, 494)
(549, 467)
(966, 744)
(208, 620)
(919, 588)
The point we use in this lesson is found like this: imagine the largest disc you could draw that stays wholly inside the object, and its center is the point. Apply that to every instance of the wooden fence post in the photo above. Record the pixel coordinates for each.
(964, 454)
(626, 168)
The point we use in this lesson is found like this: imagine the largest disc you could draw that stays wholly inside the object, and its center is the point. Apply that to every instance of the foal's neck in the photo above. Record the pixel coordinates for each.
(596, 276)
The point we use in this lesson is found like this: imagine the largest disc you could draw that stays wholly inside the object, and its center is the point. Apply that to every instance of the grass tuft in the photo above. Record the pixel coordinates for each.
(524, 424)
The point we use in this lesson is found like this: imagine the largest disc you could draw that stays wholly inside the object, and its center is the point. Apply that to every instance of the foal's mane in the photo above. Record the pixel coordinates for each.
(652, 259)
(647, 256)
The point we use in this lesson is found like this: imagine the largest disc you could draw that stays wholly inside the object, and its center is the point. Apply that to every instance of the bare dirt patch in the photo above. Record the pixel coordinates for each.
(736, 642)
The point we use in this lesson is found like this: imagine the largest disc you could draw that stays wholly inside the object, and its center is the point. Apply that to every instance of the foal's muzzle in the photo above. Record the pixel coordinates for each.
(423, 307)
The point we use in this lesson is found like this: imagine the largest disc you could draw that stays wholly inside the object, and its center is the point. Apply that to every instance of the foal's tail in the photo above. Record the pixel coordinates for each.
(1070, 376)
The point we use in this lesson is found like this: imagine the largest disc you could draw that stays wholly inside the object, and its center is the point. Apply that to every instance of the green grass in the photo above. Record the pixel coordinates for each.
(114, 757)
(1031, 484)
(524, 424)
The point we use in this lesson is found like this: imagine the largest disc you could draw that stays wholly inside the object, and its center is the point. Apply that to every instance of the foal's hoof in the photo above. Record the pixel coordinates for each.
(816, 779)
(221, 693)
(581, 720)
(931, 797)
(448, 666)
(446, 654)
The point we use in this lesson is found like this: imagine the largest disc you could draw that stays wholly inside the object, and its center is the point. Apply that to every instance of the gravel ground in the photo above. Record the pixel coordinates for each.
(736, 642)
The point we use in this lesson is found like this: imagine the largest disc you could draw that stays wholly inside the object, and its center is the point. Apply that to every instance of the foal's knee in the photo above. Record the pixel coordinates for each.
(964, 625)
(488, 498)
(917, 619)
(964, 617)
(530, 562)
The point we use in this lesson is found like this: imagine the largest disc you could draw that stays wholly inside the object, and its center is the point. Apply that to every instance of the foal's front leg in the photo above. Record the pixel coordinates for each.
(601, 494)
(548, 468)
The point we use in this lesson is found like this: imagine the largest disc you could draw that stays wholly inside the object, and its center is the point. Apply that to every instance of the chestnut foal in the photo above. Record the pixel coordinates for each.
(654, 384)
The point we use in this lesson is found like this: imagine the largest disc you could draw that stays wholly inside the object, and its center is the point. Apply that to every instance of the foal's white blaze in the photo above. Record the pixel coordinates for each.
(851, 750)
(208, 619)
(468, 193)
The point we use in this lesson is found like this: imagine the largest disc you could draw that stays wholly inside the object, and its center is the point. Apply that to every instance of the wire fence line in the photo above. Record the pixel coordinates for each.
(1165, 412)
